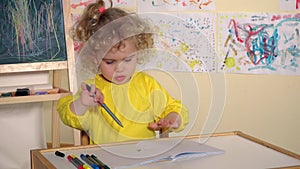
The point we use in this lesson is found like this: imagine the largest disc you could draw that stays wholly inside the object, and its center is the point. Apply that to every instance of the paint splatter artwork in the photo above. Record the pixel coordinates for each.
(31, 31)
(259, 43)
(175, 5)
(183, 42)
(81, 4)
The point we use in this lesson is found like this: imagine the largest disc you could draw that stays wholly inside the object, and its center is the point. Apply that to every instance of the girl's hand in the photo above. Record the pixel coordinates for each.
(171, 121)
(90, 95)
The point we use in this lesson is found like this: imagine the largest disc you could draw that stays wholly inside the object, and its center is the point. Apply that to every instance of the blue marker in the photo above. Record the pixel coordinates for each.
(89, 162)
(80, 162)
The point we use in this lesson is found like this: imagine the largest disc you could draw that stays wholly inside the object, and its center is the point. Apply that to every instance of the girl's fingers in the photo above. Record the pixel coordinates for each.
(153, 126)
(162, 124)
(99, 96)
(91, 95)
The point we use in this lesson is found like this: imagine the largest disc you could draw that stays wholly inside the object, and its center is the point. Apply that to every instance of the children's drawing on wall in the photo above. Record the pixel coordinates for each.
(259, 43)
(183, 42)
(81, 4)
(289, 4)
(31, 31)
(175, 5)
(77, 7)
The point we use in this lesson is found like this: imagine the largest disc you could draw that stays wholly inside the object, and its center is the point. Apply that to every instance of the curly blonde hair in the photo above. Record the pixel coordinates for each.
(93, 19)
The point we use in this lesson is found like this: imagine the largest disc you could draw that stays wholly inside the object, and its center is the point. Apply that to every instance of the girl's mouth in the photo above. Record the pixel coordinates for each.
(120, 78)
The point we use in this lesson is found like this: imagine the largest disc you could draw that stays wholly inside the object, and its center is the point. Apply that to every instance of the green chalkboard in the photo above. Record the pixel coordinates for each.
(32, 31)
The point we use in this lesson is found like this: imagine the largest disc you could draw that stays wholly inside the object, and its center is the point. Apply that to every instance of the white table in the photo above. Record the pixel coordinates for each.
(241, 151)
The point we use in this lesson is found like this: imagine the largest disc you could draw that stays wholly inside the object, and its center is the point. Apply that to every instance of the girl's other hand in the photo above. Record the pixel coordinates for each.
(171, 121)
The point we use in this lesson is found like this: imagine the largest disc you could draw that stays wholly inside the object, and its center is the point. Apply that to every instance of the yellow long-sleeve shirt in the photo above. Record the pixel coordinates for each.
(136, 104)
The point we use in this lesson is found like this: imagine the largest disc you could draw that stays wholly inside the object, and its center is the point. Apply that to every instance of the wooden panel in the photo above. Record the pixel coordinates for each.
(33, 98)
(55, 126)
(70, 46)
(29, 67)
(38, 161)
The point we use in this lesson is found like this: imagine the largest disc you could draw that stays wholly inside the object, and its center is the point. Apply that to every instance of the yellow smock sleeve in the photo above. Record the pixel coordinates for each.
(68, 117)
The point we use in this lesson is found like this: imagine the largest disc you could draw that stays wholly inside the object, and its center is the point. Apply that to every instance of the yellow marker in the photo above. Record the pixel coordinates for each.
(80, 162)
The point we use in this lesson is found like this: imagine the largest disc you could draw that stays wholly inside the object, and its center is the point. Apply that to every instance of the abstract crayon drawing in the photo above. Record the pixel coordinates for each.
(259, 43)
(31, 31)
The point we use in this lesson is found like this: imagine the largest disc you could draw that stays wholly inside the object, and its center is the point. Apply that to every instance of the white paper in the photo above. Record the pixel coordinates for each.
(259, 43)
(150, 151)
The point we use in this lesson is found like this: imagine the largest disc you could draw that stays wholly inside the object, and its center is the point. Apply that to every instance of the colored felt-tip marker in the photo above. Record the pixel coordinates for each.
(99, 162)
(96, 161)
(78, 166)
(89, 162)
(78, 161)
(107, 110)
(59, 154)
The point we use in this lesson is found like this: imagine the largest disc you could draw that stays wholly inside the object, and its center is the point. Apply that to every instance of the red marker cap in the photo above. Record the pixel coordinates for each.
(71, 159)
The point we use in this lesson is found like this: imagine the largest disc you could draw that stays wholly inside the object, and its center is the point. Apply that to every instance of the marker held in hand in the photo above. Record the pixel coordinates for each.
(107, 109)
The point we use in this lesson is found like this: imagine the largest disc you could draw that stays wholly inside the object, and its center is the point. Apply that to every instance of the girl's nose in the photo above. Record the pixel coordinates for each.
(120, 67)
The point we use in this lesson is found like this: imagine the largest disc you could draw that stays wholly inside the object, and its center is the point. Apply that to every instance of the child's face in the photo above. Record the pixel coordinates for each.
(119, 64)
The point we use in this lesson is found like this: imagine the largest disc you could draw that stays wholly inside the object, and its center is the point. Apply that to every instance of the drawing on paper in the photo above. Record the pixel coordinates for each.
(175, 5)
(183, 42)
(31, 31)
(78, 6)
(81, 4)
(259, 43)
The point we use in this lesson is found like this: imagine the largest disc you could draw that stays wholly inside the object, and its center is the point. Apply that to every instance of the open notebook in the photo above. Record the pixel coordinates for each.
(151, 151)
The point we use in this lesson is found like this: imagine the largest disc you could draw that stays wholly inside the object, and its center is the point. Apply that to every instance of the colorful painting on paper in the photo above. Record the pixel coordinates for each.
(175, 5)
(31, 31)
(81, 4)
(183, 42)
(259, 43)
(289, 4)
(77, 7)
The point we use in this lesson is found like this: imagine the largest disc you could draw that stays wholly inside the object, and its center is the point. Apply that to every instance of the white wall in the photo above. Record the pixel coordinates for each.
(21, 125)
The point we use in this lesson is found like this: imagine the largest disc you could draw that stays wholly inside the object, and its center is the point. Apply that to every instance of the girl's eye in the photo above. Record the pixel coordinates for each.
(128, 59)
(109, 62)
